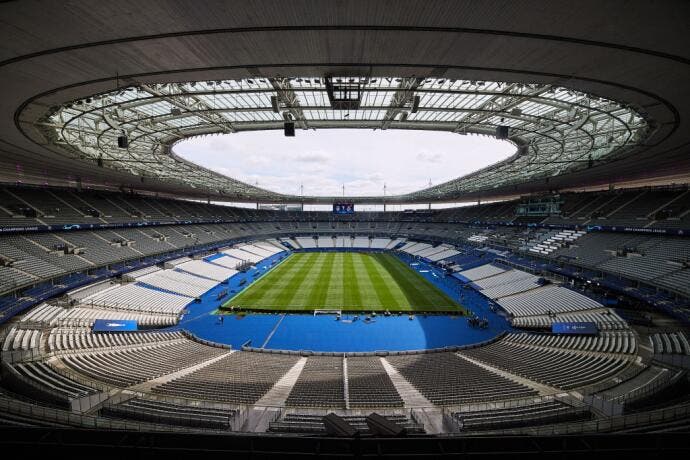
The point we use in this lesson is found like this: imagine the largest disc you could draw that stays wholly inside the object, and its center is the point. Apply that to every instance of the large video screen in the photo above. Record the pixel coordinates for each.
(343, 208)
(114, 325)
(582, 328)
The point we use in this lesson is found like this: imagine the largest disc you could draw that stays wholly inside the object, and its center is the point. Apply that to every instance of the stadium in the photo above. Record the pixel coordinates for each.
(154, 303)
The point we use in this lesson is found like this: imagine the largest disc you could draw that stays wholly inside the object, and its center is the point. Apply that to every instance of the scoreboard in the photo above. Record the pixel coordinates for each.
(343, 208)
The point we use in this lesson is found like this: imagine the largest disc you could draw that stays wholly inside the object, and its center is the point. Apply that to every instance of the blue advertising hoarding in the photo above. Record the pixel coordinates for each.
(581, 328)
(114, 325)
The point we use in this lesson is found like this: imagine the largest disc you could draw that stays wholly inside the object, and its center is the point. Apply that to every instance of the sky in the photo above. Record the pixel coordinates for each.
(363, 160)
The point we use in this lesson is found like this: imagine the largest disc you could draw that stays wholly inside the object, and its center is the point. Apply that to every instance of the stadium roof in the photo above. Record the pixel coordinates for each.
(593, 92)
(556, 129)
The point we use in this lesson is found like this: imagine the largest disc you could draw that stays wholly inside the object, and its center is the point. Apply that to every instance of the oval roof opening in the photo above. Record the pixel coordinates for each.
(363, 161)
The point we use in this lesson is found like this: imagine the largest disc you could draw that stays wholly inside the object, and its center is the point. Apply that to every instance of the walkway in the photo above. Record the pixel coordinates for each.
(279, 393)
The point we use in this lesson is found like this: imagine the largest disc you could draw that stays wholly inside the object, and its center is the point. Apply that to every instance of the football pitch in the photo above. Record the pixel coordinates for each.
(347, 281)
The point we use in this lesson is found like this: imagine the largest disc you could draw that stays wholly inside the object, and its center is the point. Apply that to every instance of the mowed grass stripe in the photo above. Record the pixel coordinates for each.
(298, 295)
(351, 294)
(290, 290)
(251, 294)
(277, 287)
(319, 290)
(335, 294)
(424, 293)
(267, 290)
(369, 295)
(419, 291)
(386, 283)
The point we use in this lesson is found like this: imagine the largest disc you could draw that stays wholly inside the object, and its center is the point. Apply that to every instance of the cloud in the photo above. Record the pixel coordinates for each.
(311, 158)
(363, 160)
(428, 157)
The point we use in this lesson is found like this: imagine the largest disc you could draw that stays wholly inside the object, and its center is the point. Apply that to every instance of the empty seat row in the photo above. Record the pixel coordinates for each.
(548, 299)
(447, 379)
(557, 368)
(670, 343)
(239, 378)
(540, 413)
(148, 410)
(127, 367)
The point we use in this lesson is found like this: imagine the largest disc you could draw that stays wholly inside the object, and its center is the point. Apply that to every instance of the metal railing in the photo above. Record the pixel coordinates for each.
(61, 417)
(600, 425)
(669, 379)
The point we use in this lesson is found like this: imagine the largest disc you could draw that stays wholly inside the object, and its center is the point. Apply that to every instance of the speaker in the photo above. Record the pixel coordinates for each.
(415, 104)
(289, 128)
(338, 426)
(122, 141)
(99, 161)
(502, 132)
(381, 426)
(274, 104)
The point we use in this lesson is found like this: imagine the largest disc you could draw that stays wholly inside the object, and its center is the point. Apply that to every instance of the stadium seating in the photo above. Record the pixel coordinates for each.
(414, 247)
(172, 414)
(206, 270)
(21, 339)
(446, 252)
(541, 413)
(320, 384)
(507, 283)
(446, 379)
(548, 299)
(561, 369)
(178, 282)
(84, 316)
(227, 262)
(670, 343)
(360, 242)
(380, 243)
(369, 384)
(241, 378)
(604, 342)
(33, 257)
(127, 367)
(484, 271)
(139, 298)
(69, 340)
(45, 381)
(640, 208)
(43, 313)
(604, 319)
(554, 240)
(200, 386)
(306, 243)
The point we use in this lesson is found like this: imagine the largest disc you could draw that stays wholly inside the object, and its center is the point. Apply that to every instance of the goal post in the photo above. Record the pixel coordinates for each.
(327, 312)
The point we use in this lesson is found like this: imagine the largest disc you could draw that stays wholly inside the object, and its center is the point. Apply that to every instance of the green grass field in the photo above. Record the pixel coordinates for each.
(343, 281)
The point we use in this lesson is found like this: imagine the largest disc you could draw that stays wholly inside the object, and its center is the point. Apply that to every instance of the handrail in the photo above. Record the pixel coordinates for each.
(599, 425)
(648, 390)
